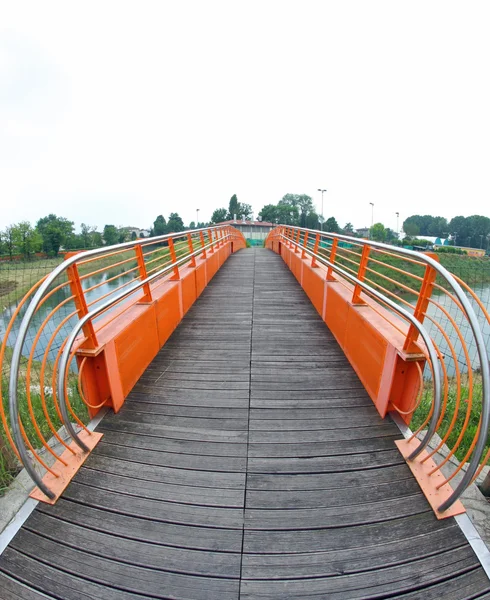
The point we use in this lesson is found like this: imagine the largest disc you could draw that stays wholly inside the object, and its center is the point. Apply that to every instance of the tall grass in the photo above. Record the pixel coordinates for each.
(474, 414)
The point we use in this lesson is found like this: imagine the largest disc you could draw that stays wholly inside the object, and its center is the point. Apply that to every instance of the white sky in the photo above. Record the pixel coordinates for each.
(115, 112)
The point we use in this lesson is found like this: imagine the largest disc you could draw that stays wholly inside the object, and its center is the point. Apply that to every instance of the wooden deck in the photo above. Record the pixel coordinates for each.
(248, 462)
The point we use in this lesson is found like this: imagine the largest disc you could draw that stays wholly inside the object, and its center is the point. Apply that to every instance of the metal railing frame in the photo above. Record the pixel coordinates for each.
(469, 313)
(31, 310)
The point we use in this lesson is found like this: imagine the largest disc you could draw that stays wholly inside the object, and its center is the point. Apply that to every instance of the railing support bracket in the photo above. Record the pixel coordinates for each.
(66, 473)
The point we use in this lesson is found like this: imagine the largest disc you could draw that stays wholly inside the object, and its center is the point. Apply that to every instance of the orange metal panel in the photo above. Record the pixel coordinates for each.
(189, 290)
(168, 313)
(295, 265)
(66, 468)
(136, 346)
(405, 387)
(94, 381)
(365, 348)
(336, 312)
(201, 280)
(314, 285)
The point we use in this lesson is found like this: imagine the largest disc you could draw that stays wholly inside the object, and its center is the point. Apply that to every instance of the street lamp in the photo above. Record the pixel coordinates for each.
(372, 218)
(320, 190)
(397, 217)
(197, 217)
(481, 241)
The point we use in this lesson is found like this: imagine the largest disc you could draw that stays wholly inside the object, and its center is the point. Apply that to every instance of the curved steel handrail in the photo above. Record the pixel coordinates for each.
(30, 312)
(472, 320)
(421, 329)
(70, 340)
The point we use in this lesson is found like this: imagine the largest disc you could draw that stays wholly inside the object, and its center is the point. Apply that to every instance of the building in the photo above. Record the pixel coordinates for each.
(255, 232)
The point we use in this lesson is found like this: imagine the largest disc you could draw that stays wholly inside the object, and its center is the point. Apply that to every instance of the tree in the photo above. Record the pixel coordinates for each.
(133, 236)
(378, 232)
(410, 228)
(287, 214)
(8, 239)
(192, 225)
(331, 225)
(269, 213)
(110, 235)
(159, 226)
(74, 242)
(219, 215)
(27, 240)
(238, 209)
(175, 223)
(54, 231)
(234, 208)
(348, 229)
(91, 238)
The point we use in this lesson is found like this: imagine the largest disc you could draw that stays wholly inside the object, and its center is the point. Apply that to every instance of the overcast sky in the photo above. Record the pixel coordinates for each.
(115, 112)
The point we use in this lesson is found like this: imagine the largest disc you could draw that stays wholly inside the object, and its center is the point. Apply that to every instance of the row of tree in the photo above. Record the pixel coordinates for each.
(236, 210)
(473, 231)
(52, 233)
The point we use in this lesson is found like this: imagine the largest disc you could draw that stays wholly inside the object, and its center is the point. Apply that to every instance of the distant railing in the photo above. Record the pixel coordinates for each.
(63, 317)
(435, 315)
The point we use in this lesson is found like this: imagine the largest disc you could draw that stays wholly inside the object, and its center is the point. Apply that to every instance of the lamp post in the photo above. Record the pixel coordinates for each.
(481, 241)
(397, 217)
(320, 190)
(372, 218)
(197, 217)
(455, 234)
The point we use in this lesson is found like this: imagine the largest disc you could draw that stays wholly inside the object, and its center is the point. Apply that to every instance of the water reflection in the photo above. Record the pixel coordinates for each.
(61, 296)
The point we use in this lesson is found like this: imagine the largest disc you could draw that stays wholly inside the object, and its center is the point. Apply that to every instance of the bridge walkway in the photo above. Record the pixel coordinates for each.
(248, 462)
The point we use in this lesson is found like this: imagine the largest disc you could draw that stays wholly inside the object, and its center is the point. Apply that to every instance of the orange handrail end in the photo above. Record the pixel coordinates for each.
(430, 485)
(74, 460)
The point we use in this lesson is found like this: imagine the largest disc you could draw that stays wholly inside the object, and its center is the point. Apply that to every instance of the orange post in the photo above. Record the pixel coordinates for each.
(305, 245)
(191, 250)
(356, 297)
(421, 307)
(296, 249)
(143, 274)
(211, 249)
(173, 256)
(81, 306)
(315, 250)
(203, 244)
(333, 254)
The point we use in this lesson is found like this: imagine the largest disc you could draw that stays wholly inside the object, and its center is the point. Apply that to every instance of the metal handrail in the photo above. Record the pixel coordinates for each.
(465, 305)
(37, 300)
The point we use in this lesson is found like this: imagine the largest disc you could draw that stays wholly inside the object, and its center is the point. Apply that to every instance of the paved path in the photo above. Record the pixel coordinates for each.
(248, 462)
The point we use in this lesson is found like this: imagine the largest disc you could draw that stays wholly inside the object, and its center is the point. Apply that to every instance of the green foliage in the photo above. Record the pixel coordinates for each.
(378, 232)
(269, 213)
(331, 225)
(348, 229)
(159, 226)
(175, 223)
(27, 240)
(219, 215)
(426, 225)
(448, 250)
(423, 410)
(238, 209)
(110, 235)
(54, 232)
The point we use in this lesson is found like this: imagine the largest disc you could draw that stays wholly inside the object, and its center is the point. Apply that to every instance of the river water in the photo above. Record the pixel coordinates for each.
(57, 298)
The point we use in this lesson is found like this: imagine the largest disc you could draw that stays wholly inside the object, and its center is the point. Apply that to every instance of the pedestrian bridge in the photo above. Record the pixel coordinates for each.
(226, 435)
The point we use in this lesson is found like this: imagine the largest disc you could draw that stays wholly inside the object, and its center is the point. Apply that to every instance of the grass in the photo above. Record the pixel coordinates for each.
(471, 429)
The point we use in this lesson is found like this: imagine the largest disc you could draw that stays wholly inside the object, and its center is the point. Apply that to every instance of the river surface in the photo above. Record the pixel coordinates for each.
(57, 298)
